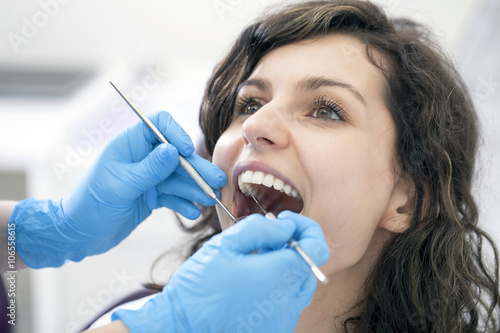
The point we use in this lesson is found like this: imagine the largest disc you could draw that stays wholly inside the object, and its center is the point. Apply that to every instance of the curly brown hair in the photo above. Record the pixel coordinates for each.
(434, 277)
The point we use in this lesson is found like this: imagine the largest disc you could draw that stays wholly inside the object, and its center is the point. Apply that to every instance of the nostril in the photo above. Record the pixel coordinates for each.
(266, 140)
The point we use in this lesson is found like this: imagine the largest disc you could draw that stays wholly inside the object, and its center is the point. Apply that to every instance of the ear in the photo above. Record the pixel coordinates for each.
(396, 218)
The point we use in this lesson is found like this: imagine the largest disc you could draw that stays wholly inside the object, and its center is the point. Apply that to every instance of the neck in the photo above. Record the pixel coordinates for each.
(336, 301)
(331, 305)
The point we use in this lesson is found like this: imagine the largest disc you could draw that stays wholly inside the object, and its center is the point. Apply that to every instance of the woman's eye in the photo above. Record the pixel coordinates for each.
(325, 113)
(247, 105)
(251, 108)
(326, 109)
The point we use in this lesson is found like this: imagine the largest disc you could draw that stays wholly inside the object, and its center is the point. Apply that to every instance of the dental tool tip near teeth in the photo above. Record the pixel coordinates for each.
(295, 245)
(182, 161)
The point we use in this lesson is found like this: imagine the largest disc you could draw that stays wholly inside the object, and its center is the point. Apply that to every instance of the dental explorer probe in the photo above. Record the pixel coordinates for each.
(182, 161)
(295, 245)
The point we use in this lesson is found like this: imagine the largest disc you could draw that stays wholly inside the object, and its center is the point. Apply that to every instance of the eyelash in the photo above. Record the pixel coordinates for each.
(244, 102)
(333, 105)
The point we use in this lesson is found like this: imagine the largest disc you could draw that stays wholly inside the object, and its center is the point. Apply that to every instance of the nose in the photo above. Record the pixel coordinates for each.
(267, 128)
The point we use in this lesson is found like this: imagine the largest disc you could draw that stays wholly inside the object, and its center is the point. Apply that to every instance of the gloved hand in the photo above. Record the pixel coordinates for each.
(225, 288)
(134, 175)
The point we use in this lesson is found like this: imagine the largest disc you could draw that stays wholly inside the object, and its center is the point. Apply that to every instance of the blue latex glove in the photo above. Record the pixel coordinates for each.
(225, 288)
(134, 175)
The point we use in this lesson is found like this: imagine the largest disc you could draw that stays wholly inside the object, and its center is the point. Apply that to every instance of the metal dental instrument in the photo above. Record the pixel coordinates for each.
(295, 245)
(182, 161)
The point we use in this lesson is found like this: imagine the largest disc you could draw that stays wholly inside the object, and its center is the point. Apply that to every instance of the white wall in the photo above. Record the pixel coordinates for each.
(477, 57)
(110, 30)
(124, 40)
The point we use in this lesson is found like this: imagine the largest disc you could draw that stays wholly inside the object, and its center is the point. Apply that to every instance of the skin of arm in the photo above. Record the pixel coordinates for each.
(6, 208)
(115, 327)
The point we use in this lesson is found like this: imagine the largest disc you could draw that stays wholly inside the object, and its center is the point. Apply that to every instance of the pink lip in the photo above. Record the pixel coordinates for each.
(258, 166)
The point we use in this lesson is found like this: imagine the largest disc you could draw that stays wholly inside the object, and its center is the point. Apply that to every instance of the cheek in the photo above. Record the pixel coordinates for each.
(351, 188)
(354, 190)
(227, 149)
(225, 154)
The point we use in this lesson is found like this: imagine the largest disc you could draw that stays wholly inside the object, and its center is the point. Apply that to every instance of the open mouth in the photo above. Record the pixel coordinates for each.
(273, 194)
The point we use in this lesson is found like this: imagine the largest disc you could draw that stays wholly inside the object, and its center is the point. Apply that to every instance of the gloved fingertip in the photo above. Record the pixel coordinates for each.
(186, 151)
(166, 150)
(217, 181)
(191, 214)
(189, 211)
(288, 226)
(283, 214)
(186, 147)
(221, 180)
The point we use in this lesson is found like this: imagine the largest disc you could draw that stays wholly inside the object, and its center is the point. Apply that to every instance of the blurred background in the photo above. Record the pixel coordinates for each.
(57, 111)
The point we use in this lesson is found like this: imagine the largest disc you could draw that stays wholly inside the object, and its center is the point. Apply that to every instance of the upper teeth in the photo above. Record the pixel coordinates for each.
(246, 178)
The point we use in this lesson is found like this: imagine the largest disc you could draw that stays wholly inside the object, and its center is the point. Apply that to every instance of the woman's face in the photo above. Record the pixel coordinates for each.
(311, 123)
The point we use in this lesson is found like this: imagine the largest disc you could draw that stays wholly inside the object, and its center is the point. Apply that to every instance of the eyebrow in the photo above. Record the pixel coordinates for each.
(315, 82)
(309, 83)
(261, 84)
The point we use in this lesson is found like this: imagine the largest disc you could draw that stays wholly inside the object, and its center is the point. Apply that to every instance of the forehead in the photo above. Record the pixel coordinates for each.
(335, 55)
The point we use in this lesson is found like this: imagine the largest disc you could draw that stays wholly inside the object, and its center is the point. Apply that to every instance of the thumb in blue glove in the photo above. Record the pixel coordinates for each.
(225, 288)
(131, 178)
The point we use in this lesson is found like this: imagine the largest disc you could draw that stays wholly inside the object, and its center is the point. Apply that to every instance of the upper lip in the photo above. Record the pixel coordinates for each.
(259, 166)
